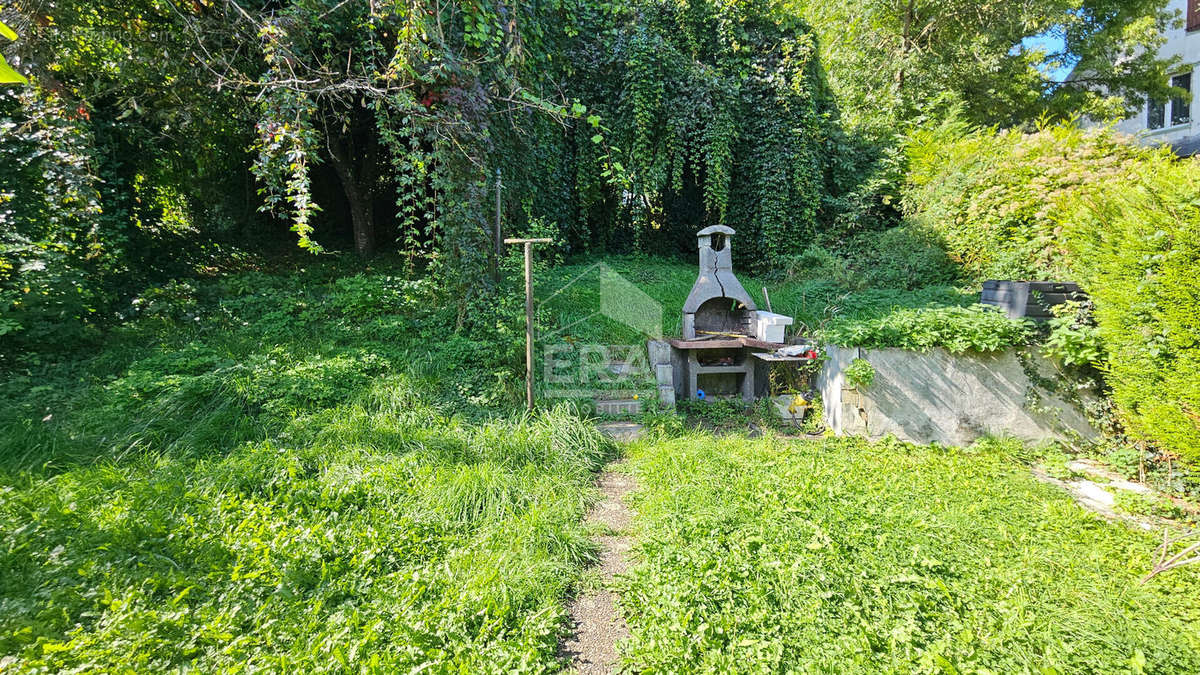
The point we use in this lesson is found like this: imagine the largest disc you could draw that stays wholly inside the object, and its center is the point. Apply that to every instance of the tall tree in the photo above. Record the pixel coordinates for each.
(897, 60)
(408, 96)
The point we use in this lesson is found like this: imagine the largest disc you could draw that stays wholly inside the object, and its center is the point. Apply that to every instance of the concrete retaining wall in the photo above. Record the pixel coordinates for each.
(947, 398)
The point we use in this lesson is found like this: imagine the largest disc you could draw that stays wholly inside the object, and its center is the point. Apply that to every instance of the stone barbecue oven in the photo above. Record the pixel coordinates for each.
(718, 303)
(724, 335)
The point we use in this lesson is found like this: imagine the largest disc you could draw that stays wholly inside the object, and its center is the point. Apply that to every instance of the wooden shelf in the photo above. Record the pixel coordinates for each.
(732, 343)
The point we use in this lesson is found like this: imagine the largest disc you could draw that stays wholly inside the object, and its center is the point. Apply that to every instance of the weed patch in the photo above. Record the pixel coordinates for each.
(842, 556)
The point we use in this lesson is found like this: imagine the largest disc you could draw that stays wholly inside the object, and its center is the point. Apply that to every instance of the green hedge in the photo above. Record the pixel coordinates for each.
(1136, 249)
(996, 199)
(1093, 207)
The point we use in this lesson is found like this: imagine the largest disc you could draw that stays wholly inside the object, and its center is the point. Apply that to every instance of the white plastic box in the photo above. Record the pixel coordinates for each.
(770, 327)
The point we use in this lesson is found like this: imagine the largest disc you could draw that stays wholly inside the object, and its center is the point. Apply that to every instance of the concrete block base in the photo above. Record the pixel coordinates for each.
(666, 396)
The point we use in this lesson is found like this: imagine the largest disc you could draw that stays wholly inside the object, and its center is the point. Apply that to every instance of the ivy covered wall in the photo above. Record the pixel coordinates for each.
(719, 113)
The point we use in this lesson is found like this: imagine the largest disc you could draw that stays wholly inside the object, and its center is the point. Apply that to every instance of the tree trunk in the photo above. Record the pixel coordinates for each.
(358, 186)
(363, 217)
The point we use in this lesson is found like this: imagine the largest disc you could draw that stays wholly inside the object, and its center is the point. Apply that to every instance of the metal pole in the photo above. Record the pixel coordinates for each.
(528, 313)
(499, 253)
(529, 325)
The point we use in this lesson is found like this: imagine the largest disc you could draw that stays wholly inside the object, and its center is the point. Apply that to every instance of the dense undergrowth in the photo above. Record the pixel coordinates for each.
(1092, 207)
(774, 555)
(255, 473)
(265, 474)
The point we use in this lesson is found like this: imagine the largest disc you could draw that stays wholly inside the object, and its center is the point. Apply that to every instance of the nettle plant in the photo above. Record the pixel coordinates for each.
(1074, 337)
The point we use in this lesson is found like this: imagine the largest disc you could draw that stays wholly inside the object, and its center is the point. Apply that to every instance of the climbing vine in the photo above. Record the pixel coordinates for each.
(724, 115)
(285, 142)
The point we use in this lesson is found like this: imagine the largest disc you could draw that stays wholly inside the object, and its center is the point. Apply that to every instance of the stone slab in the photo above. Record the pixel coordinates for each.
(665, 374)
(659, 351)
(1096, 471)
(622, 432)
(666, 396)
(953, 399)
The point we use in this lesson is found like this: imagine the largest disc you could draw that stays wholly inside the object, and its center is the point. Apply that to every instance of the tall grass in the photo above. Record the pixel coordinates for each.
(773, 555)
(285, 484)
(428, 543)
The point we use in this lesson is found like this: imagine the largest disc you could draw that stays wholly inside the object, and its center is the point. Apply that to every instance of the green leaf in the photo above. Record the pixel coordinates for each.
(10, 76)
(597, 139)
(7, 32)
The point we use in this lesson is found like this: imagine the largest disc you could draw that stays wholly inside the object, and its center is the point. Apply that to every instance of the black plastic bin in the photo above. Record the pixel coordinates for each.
(1029, 299)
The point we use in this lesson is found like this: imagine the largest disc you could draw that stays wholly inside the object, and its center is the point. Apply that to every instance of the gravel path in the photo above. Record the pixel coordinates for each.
(596, 624)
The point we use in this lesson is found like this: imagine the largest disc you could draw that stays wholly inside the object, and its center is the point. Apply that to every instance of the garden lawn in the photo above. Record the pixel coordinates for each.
(770, 555)
(296, 472)
(380, 534)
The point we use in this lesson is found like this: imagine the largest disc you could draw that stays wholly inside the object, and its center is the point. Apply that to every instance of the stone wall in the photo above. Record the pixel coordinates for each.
(950, 399)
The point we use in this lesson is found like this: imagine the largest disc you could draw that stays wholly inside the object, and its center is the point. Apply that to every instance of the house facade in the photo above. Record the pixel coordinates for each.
(1176, 122)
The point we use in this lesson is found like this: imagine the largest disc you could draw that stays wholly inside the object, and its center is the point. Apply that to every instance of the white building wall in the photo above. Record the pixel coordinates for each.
(1186, 46)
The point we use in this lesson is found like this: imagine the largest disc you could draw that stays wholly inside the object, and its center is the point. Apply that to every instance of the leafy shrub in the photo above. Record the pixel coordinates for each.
(174, 299)
(814, 421)
(902, 257)
(1127, 460)
(284, 388)
(996, 199)
(977, 328)
(1090, 206)
(860, 374)
(362, 296)
(816, 263)
(1145, 505)
(1074, 338)
(718, 413)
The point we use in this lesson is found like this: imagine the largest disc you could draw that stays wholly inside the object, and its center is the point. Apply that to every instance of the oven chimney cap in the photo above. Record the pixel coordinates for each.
(716, 278)
(715, 237)
(715, 229)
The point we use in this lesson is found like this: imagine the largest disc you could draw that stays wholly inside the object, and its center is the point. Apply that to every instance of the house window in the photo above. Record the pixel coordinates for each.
(1181, 112)
(1156, 115)
(1193, 15)
(1178, 111)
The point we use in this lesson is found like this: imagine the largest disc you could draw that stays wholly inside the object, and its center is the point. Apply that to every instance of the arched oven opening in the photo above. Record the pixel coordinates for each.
(723, 316)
